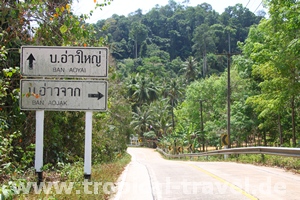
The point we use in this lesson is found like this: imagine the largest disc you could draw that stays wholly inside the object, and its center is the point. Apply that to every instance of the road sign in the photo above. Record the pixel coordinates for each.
(73, 95)
(224, 140)
(64, 61)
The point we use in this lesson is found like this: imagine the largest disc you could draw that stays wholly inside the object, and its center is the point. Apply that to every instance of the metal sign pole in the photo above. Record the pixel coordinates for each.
(39, 144)
(225, 155)
(88, 145)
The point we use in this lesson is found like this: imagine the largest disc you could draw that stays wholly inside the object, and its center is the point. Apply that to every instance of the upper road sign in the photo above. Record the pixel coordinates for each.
(76, 95)
(64, 61)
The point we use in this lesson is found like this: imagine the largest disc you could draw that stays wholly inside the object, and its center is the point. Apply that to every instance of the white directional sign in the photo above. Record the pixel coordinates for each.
(64, 61)
(74, 95)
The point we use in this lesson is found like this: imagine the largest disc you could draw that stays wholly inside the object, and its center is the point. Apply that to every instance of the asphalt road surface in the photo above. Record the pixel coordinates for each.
(150, 177)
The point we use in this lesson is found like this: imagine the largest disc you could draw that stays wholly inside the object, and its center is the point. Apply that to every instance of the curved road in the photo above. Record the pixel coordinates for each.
(150, 177)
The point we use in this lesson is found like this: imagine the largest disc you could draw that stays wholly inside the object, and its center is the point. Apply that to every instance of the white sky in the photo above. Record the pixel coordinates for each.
(124, 7)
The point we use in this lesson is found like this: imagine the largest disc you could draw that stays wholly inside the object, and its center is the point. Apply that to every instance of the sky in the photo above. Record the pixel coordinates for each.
(124, 7)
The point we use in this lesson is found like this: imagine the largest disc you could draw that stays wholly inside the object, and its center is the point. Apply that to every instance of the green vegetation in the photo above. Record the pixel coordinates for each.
(176, 74)
(167, 80)
(101, 186)
(287, 163)
(51, 23)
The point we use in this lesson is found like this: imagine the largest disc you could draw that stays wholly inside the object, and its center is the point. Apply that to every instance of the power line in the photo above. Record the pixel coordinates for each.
(247, 3)
(252, 4)
(258, 6)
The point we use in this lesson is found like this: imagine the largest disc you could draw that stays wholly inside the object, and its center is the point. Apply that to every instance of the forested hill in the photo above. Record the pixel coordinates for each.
(168, 82)
(177, 30)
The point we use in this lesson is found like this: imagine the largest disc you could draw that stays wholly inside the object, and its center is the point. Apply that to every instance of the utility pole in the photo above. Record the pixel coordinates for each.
(228, 91)
(201, 122)
(228, 54)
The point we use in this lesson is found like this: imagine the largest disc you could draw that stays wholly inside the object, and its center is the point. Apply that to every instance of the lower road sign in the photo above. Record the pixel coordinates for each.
(72, 95)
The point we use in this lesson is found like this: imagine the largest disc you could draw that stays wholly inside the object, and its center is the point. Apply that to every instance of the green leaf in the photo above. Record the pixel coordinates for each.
(63, 29)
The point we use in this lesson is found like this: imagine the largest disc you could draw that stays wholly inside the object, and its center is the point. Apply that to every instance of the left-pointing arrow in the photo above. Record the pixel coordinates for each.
(31, 59)
(98, 95)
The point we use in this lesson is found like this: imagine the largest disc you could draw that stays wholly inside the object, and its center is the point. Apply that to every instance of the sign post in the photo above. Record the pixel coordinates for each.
(39, 144)
(58, 95)
(88, 145)
(225, 142)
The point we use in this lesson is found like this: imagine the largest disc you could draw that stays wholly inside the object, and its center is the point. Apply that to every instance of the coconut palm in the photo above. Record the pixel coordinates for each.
(161, 117)
(142, 89)
(175, 92)
(141, 94)
(190, 69)
(142, 120)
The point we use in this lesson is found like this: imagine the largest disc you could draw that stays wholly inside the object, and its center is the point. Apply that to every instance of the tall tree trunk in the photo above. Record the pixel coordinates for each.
(265, 138)
(204, 62)
(280, 130)
(135, 45)
(173, 121)
(293, 121)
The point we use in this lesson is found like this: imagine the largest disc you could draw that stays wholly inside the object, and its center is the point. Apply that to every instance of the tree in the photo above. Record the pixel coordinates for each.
(154, 66)
(54, 25)
(276, 38)
(212, 92)
(142, 90)
(286, 30)
(161, 117)
(190, 69)
(240, 19)
(242, 123)
(142, 119)
(203, 43)
(174, 91)
(203, 40)
(138, 33)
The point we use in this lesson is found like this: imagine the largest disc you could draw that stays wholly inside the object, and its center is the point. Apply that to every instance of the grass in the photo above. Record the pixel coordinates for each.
(100, 187)
(287, 163)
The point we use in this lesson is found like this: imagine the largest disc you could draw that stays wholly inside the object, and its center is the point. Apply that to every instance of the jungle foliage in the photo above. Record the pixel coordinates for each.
(167, 79)
(173, 62)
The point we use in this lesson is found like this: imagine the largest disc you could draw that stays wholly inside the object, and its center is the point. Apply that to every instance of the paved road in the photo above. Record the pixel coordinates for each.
(150, 177)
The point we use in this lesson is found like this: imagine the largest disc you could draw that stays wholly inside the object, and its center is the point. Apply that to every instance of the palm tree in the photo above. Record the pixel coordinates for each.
(142, 120)
(174, 91)
(161, 116)
(142, 90)
(189, 69)
(154, 89)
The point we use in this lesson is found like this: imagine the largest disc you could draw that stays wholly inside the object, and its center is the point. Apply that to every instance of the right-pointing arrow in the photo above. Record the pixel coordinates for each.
(98, 95)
